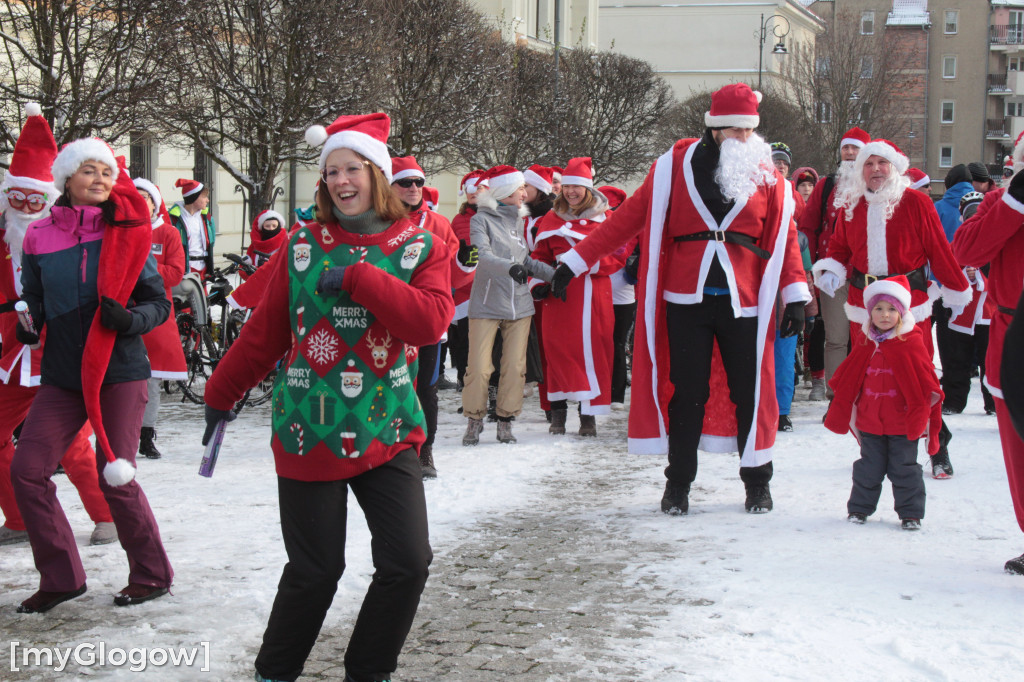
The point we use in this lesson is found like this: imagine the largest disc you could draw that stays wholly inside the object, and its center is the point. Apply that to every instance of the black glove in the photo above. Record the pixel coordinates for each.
(467, 255)
(560, 282)
(809, 325)
(214, 417)
(1016, 189)
(541, 291)
(114, 316)
(25, 337)
(518, 273)
(792, 319)
(330, 281)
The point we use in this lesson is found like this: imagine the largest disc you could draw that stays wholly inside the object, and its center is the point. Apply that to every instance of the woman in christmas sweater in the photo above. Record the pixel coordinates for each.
(578, 332)
(887, 394)
(349, 296)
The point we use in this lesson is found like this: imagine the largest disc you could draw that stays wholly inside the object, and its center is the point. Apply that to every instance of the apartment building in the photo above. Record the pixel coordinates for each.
(540, 23)
(1004, 107)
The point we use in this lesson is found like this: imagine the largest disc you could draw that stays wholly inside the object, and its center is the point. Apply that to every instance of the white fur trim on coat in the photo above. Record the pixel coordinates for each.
(1012, 203)
(829, 265)
(878, 252)
(951, 298)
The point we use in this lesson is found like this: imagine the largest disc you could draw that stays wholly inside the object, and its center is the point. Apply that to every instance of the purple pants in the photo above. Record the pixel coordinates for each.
(54, 419)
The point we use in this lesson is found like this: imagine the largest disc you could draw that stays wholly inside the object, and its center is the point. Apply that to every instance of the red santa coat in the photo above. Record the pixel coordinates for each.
(262, 245)
(912, 238)
(19, 364)
(163, 345)
(668, 204)
(439, 226)
(578, 332)
(919, 403)
(978, 311)
(993, 235)
(816, 226)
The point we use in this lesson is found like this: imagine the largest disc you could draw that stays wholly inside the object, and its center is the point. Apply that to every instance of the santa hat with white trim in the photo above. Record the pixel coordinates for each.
(558, 172)
(918, 178)
(365, 134)
(152, 190)
(733, 106)
(470, 181)
(579, 171)
(75, 153)
(34, 153)
(887, 150)
(540, 177)
(190, 189)
(405, 167)
(896, 290)
(503, 180)
(856, 137)
(430, 197)
(269, 214)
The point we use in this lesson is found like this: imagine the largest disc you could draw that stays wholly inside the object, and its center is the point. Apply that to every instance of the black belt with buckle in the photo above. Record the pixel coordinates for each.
(917, 279)
(725, 236)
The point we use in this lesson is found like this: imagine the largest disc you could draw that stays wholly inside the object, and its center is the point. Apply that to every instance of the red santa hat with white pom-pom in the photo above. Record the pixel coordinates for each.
(365, 134)
(34, 153)
(733, 106)
(579, 171)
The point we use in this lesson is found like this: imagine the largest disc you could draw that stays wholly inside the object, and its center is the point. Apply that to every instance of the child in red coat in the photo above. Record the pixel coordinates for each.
(887, 394)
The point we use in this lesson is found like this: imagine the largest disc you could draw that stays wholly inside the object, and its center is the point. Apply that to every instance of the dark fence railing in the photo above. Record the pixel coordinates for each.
(1006, 34)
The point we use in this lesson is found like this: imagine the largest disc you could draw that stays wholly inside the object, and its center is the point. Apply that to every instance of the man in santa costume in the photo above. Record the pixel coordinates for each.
(882, 231)
(995, 236)
(817, 222)
(718, 245)
(194, 221)
(26, 195)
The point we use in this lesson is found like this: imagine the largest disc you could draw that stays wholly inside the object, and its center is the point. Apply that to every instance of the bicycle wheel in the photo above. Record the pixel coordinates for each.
(262, 392)
(233, 327)
(201, 355)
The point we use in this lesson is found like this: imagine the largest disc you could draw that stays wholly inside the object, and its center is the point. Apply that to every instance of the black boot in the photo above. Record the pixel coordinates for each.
(759, 498)
(557, 422)
(588, 425)
(676, 499)
(427, 461)
(146, 446)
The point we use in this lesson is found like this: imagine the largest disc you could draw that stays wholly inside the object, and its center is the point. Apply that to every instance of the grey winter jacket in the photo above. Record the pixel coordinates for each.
(497, 232)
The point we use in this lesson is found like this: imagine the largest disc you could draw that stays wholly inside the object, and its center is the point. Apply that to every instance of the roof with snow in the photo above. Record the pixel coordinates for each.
(909, 13)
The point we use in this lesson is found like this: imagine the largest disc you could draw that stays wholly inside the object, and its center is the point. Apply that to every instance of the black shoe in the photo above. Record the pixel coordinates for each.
(857, 517)
(941, 468)
(910, 524)
(1015, 566)
(950, 410)
(146, 446)
(41, 601)
(676, 500)
(445, 384)
(759, 499)
(136, 594)
(785, 424)
(427, 461)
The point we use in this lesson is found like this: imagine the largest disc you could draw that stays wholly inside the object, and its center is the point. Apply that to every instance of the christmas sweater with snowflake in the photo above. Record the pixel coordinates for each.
(344, 400)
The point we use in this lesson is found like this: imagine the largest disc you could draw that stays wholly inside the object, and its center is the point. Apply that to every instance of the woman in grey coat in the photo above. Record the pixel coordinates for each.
(500, 300)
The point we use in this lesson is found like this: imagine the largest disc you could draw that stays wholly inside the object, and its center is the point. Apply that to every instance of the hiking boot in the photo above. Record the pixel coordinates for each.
(858, 518)
(136, 594)
(427, 461)
(676, 500)
(759, 499)
(785, 423)
(1015, 566)
(9, 536)
(910, 524)
(941, 468)
(817, 390)
(41, 601)
(588, 425)
(557, 422)
(103, 534)
(473, 430)
(146, 446)
(505, 431)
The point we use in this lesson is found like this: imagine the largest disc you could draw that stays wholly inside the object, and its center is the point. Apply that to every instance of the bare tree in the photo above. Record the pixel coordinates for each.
(90, 65)
(247, 77)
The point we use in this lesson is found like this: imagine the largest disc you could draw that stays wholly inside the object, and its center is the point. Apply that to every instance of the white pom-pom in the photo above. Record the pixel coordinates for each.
(118, 472)
(759, 96)
(33, 109)
(316, 136)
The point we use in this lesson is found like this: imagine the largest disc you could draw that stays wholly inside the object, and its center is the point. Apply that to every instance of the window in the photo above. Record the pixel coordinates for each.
(952, 19)
(946, 156)
(947, 111)
(1013, 64)
(1015, 28)
(140, 156)
(949, 66)
(822, 66)
(867, 23)
(823, 112)
(1014, 109)
(202, 169)
(867, 67)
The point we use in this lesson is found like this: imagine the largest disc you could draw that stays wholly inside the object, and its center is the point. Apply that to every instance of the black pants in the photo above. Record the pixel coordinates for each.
(624, 315)
(980, 350)
(816, 346)
(458, 346)
(956, 353)
(426, 388)
(313, 516)
(692, 331)
(895, 457)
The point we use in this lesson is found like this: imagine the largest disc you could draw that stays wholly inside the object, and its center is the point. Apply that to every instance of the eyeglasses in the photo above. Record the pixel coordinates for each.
(352, 170)
(406, 183)
(19, 200)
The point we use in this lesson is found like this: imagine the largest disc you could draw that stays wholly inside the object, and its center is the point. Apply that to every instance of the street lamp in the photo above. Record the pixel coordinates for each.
(780, 47)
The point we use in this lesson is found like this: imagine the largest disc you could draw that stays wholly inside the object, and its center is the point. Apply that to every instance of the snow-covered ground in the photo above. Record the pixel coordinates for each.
(797, 594)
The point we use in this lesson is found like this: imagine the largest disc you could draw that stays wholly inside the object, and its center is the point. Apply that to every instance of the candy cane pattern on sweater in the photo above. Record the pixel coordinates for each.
(361, 250)
(297, 427)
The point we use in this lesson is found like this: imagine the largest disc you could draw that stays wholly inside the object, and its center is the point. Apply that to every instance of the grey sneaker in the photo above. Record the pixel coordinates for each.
(473, 430)
(103, 534)
(9, 536)
(505, 432)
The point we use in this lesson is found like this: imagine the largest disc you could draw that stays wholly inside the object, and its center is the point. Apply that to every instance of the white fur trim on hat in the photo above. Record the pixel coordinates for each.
(75, 153)
(270, 215)
(408, 173)
(921, 183)
(537, 181)
(888, 288)
(730, 121)
(499, 182)
(577, 180)
(879, 148)
(47, 188)
(851, 140)
(150, 189)
(361, 143)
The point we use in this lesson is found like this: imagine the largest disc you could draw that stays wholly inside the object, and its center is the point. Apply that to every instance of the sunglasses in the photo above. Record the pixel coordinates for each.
(406, 183)
(19, 200)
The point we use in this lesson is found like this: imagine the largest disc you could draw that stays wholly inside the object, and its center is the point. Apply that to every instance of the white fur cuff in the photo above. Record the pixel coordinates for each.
(829, 265)
(575, 263)
(951, 297)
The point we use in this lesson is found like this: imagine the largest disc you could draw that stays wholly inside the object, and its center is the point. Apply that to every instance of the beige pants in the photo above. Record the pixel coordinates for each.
(514, 335)
(837, 331)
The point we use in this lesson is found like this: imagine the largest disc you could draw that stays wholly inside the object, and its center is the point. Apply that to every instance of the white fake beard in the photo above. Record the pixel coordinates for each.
(16, 224)
(888, 195)
(743, 166)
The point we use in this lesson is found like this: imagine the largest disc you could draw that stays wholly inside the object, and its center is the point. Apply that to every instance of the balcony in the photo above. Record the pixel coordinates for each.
(998, 84)
(1006, 34)
(997, 129)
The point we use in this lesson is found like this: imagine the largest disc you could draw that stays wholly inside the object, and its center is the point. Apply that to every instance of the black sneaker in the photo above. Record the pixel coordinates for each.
(858, 518)
(676, 500)
(1015, 566)
(941, 467)
(445, 384)
(910, 524)
(785, 423)
(759, 499)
